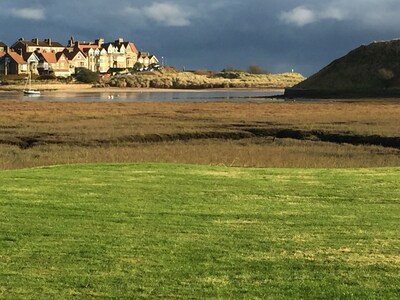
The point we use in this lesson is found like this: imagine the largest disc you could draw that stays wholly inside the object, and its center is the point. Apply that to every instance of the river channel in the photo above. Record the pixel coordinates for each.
(156, 96)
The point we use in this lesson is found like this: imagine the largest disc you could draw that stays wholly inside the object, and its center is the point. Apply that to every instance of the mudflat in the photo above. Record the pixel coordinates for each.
(262, 134)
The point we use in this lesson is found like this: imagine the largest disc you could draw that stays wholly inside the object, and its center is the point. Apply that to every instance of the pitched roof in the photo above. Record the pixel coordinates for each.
(27, 55)
(49, 57)
(59, 55)
(72, 54)
(16, 57)
(37, 42)
(119, 45)
(144, 54)
(86, 47)
(106, 45)
(133, 47)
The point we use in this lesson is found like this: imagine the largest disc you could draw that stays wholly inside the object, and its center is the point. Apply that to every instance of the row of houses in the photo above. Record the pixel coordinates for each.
(49, 57)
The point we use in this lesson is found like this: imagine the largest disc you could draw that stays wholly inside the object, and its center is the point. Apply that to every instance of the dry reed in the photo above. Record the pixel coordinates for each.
(35, 133)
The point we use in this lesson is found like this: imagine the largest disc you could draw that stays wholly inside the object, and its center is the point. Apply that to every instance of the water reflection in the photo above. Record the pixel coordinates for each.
(164, 96)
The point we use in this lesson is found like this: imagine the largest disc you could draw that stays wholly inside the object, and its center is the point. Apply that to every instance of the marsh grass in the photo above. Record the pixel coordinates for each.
(195, 232)
(35, 133)
(282, 153)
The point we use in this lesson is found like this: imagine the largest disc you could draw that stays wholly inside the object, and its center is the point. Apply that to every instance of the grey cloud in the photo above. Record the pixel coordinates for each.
(364, 13)
(35, 14)
(277, 35)
(169, 14)
(302, 15)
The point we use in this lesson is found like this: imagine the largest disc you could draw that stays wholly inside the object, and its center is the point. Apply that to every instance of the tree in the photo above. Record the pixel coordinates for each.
(86, 76)
(255, 69)
(138, 66)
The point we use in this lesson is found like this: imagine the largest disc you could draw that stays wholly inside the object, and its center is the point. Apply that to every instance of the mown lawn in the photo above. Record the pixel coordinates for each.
(195, 232)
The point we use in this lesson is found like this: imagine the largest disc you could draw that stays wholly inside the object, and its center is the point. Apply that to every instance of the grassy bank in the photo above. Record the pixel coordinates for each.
(317, 134)
(166, 79)
(192, 80)
(180, 231)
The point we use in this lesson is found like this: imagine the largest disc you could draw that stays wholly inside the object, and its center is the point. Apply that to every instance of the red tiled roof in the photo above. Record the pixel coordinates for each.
(86, 48)
(133, 47)
(16, 57)
(49, 57)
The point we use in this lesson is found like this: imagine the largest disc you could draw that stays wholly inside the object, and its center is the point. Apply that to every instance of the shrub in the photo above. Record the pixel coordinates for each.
(203, 72)
(231, 69)
(229, 75)
(86, 76)
(386, 76)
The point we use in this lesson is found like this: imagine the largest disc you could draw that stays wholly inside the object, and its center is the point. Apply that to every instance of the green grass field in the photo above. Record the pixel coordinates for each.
(195, 232)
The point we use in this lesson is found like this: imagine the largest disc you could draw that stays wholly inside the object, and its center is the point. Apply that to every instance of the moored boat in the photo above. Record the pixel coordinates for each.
(29, 91)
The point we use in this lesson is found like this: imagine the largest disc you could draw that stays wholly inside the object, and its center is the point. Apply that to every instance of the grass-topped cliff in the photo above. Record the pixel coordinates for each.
(369, 69)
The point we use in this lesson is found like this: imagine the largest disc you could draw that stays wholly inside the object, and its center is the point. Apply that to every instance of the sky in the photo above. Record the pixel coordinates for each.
(277, 35)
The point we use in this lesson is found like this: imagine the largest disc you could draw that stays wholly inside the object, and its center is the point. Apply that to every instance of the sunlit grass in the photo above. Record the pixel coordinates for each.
(184, 231)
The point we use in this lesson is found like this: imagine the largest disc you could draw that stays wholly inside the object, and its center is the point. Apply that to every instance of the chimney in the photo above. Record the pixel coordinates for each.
(99, 41)
(71, 41)
(48, 41)
(36, 41)
(120, 40)
(21, 39)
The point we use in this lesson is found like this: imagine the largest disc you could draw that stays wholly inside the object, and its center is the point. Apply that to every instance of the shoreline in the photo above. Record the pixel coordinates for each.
(91, 89)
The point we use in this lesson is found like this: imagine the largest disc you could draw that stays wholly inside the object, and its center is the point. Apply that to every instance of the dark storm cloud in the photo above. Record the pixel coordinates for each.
(277, 35)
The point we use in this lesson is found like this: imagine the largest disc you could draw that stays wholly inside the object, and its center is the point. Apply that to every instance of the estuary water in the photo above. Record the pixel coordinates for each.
(156, 96)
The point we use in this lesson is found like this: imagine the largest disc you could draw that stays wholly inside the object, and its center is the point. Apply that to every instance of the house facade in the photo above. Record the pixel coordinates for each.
(53, 63)
(36, 45)
(122, 55)
(3, 49)
(146, 59)
(50, 57)
(32, 60)
(13, 63)
(76, 59)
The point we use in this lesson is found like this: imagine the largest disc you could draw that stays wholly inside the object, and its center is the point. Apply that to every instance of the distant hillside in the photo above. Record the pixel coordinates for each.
(372, 69)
